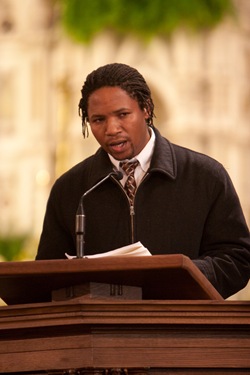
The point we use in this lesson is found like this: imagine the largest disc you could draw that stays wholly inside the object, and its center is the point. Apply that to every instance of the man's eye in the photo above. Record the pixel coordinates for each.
(97, 120)
(123, 114)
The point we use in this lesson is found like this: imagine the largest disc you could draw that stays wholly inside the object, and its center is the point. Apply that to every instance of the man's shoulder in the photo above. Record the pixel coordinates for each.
(187, 155)
(193, 162)
(180, 159)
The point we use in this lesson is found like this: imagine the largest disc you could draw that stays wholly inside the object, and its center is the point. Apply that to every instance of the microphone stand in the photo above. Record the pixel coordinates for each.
(80, 230)
(81, 218)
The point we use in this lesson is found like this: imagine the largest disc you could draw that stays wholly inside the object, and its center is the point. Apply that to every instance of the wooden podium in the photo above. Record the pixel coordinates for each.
(180, 325)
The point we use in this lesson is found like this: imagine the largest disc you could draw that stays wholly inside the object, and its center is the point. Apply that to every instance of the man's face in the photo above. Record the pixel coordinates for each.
(117, 122)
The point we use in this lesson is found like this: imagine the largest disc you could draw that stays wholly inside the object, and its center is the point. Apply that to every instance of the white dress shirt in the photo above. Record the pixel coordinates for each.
(144, 158)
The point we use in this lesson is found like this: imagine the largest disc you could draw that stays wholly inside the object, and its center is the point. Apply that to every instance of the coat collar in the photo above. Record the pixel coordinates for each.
(163, 161)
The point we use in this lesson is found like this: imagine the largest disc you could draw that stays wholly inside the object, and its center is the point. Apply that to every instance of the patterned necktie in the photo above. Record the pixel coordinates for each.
(130, 185)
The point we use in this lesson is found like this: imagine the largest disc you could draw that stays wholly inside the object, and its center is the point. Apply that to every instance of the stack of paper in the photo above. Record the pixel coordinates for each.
(134, 249)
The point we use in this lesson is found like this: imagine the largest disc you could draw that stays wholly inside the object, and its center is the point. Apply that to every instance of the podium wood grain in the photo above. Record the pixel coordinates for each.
(180, 326)
(160, 277)
(153, 337)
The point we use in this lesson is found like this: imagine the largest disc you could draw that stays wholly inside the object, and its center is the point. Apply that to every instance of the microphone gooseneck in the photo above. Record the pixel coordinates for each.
(81, 218)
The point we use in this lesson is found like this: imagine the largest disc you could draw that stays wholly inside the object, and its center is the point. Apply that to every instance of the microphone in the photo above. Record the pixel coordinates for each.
(80, 215)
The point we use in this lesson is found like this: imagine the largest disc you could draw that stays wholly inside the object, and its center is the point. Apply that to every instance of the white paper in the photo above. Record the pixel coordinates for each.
(135, 249)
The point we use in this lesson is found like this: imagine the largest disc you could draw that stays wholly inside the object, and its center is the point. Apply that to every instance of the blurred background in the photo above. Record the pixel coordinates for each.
(194, 54)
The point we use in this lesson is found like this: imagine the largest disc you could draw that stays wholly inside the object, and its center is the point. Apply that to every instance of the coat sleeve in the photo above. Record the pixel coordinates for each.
(225, 248)
(56, 237)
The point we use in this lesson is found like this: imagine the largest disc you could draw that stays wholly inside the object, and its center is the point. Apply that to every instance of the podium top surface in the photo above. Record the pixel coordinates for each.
(163, 277)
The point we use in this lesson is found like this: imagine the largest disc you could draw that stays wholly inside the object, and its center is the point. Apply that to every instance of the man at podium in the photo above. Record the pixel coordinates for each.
(139, 186)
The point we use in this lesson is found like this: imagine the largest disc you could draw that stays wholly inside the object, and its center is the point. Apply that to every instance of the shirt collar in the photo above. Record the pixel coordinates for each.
(144, 157)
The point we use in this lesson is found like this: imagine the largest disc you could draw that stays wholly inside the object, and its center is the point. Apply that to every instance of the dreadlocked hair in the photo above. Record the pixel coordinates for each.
(116, 75)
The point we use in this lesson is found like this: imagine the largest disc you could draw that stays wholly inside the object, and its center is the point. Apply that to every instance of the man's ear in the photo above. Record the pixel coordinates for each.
(146, 113)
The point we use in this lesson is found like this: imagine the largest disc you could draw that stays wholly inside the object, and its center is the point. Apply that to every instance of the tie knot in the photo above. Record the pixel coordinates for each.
(129, 166)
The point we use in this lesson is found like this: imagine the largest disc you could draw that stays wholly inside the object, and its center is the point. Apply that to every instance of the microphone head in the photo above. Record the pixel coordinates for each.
(118, 175)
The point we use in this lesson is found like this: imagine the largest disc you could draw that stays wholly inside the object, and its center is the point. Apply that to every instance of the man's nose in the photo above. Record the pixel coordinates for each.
(112, 126)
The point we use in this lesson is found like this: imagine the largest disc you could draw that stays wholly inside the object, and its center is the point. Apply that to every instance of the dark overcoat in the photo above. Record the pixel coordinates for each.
(185, 204)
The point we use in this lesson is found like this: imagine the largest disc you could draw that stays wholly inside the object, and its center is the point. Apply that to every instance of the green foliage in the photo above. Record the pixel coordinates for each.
(83, 19)
(10, 247)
